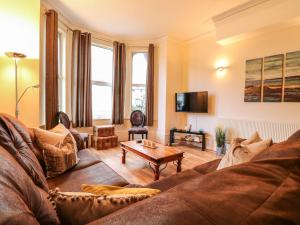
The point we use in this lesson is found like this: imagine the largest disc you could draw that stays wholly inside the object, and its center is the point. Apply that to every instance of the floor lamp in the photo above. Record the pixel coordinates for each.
(16, 57)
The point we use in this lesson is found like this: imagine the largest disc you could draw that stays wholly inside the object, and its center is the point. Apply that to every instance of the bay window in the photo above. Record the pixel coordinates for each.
(102, 60)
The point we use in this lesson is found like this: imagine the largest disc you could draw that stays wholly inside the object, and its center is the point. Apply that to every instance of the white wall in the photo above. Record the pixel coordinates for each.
(226, 93)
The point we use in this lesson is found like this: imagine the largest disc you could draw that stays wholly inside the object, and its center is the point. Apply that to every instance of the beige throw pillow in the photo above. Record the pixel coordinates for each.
(54, 136)
(59, 149)
(77, 208)
(60, 158)
(241, 152)
(253, 138)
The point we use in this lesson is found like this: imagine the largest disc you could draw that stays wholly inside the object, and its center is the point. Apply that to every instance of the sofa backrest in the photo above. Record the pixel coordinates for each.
(22, 202)
(14, 137)
(264, 191)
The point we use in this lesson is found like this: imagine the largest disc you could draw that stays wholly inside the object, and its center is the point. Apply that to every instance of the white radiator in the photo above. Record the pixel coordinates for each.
(278, 131)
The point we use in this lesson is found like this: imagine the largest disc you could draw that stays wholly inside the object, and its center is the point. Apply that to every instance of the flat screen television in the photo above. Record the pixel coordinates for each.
(196, 102)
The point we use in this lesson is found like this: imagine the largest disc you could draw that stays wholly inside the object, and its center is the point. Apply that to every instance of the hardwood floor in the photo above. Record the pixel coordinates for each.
(137, 171)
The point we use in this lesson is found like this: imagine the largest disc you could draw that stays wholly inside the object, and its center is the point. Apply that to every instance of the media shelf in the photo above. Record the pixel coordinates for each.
(190, 137)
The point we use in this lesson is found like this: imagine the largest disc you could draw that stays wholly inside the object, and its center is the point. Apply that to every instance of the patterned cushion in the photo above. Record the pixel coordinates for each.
(138, 130)
(81, 208)
(60, 157)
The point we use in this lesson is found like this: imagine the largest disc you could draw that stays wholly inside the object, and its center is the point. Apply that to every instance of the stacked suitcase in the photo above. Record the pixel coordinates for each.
(104, 137)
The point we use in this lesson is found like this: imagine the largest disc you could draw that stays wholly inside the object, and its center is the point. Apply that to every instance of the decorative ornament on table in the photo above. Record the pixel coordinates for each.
(220, 140)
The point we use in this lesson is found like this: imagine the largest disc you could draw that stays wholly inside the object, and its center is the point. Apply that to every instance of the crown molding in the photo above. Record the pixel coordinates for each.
(238, 9)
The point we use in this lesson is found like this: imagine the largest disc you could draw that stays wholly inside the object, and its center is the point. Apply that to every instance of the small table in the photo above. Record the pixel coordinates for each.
(155, 157)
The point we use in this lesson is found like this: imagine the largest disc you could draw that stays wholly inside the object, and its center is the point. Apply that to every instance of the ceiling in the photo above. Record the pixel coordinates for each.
(145, 19)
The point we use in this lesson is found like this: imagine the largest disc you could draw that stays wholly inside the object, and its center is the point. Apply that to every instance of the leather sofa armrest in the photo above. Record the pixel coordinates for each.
(78, 139)
(207, 167)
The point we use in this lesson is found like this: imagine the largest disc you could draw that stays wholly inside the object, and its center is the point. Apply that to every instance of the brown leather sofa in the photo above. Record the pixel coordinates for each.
(23, 185)
(263, 191)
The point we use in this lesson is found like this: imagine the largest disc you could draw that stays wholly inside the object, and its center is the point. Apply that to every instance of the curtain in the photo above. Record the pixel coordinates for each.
(119, 76)
(150, 86)
(51, 105)
(81, 86)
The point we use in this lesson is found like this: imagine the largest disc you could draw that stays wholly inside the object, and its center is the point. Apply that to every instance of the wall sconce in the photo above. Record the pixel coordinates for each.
(221, 67)
(221, 71)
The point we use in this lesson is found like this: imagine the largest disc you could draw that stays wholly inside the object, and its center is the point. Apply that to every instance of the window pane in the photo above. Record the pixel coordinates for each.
(138, 98)
(102, 60)
(102, 102)
(139, 68)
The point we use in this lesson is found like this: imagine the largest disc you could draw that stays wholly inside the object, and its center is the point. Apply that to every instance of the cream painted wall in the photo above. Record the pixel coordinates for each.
(226, 93)
(21, 35)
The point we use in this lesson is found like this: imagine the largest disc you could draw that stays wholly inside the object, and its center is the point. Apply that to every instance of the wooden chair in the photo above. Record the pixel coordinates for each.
(137, 119)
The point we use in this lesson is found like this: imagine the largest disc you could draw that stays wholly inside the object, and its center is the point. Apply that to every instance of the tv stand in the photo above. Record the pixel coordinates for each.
(190, 137)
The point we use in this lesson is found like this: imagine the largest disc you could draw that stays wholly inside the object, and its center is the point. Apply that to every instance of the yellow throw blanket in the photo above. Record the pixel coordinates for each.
(115, 190)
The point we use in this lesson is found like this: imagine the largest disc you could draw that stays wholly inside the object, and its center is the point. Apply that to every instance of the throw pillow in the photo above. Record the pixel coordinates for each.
(110, 190)
(239, 153)
(60, 157)
(53, 136)
(253, 138)
(77, 208)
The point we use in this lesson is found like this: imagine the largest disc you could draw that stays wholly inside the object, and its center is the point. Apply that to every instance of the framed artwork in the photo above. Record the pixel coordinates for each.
(292, 77)
(273, 78)
(253, 80)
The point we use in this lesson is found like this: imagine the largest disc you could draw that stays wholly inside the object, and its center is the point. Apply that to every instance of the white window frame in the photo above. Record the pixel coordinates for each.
(102, 83)
(62, 69)
(140, 50)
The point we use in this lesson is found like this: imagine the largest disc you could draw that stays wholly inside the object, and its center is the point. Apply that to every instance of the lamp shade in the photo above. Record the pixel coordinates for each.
(15, 55)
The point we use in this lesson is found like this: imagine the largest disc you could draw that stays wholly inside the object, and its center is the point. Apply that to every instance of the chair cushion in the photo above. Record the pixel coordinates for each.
(98, 173)
(138, 130)
(87, 158)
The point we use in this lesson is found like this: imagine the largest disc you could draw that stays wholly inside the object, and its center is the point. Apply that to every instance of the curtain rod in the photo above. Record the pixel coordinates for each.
(93, 36)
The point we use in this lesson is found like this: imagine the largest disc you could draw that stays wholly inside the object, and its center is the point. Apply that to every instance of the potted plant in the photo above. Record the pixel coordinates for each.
(220, 140)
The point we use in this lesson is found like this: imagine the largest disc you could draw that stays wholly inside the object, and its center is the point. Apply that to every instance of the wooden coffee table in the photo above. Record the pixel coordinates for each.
(155, 157)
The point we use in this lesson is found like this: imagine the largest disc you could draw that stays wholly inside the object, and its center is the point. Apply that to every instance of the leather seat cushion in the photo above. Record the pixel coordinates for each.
(98, 173)
(138, 130)
(173, 180)
(87, 158)
(12, 139)
(22, 202)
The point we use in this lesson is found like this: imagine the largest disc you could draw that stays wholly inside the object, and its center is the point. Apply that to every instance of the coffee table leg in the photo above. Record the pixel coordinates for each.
(124, 156)
(156, 172)
(179, 165)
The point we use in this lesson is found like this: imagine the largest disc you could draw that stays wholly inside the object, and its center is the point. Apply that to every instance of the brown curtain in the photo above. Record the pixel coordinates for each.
(51, 99)
(119, 74)
(81, 86)
(150, 86)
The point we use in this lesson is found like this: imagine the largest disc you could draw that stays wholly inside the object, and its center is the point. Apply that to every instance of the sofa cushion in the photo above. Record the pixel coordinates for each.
(207, 167)
(98, 173)
(257, 192)
(79, 208)
(241, 153)
(27, 135)
(60, 158)
(22, 202)
(14, 143)
(285, 149)
(173, 180)
(87, 158)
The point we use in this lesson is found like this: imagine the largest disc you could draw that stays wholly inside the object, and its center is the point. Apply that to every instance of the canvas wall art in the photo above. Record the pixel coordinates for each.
(292, 77)
(253, 80)
(273, 78)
